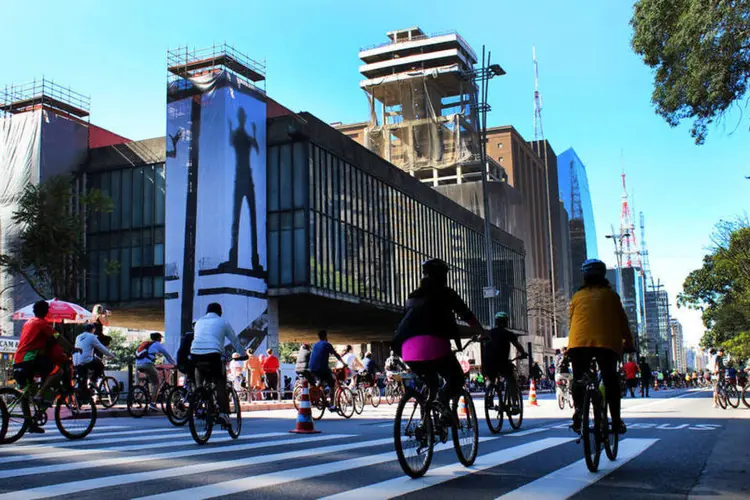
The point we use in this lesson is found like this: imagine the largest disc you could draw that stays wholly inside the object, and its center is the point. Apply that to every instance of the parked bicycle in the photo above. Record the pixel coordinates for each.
(503, 397)
(204, 408)
(596, 426)
(74, 413)
(140, 398)
(419, 423)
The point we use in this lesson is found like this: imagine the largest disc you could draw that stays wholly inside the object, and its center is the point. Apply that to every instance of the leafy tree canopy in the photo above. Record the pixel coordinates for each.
(699, 50)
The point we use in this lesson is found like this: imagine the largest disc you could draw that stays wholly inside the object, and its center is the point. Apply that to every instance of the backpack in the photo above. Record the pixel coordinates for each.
(142, 351)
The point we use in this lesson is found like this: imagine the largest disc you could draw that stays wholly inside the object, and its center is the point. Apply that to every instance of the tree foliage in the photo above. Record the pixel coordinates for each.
(288, 352)
(49, 254)
(720, 289)
(699, 50)
(123, 350)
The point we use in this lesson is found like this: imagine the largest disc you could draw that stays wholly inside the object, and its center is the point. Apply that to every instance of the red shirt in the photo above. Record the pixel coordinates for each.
(34, 337)
(271, 364)
(631, 369)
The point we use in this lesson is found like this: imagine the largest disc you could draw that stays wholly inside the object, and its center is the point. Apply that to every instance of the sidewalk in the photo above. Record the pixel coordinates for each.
(726, 472)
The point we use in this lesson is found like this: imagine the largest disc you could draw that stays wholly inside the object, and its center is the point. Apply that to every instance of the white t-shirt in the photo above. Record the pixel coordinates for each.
(236, 366)
(352, 361)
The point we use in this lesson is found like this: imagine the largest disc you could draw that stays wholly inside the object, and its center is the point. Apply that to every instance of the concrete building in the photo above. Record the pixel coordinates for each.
(657, 341)
(678, 345)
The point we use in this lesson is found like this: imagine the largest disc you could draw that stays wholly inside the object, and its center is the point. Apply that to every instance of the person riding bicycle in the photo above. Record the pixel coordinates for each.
(321, 352)
(562, 367)
(302, 367)
(598, 329)
(353, 363)
(40, 351)
(145, 356)
(184, 361)
(717, 371)
(423, 336)
(87, 366)
(370, 369)
(211, 333)
(496, 350)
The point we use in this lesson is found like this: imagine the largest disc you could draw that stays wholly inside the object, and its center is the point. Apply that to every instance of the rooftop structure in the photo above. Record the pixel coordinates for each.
(43, 93)
(184, 63)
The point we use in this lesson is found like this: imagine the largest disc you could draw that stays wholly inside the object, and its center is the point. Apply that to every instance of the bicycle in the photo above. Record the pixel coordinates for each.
(564, 394)
(4, 418)
(420, 421)
(204, 407)
(727, 394)
(177, 403)
(140, 400)
(394, 388)
(75, 413)
(364, 392)
(105, 390)
(504, 398)
(599, 433)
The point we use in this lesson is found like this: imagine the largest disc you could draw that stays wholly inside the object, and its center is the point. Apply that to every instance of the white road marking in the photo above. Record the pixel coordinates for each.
(403, 485)
(566, 482)
(527, 432)
(94, 435)
(139, 477)
(191, 452)
(151, 446)
(284, 476)
(93, 441)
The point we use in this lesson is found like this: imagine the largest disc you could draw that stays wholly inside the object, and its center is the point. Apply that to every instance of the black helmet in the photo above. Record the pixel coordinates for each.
(502, 318)
(435, 268)
(594, 267)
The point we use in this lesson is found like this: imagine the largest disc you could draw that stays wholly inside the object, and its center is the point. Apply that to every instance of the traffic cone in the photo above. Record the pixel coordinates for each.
(304, 415)
(532, 394)
(462, 407)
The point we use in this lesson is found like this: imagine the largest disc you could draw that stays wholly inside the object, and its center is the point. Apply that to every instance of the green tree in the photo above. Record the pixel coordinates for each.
(49, 254)
(288, 352)
(700, 53)
(123, 350)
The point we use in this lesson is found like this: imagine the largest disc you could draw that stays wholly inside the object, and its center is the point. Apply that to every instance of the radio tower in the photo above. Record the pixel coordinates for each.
(646, 267)
(628, 247)
(538, 130)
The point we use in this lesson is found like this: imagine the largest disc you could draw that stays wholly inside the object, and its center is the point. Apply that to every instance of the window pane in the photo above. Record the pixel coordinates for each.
(127, 202)
(114, 289)
(135, 288)
(273, 178)
(285, 180)
(300, 269)
(300, 174)
(158, 286)
(114, 194)
(125, 274)
(103, 216)
(273, 258)
(148, 288)
(286, 257)
(160, 191)
(148, 198)
(138, 176)
(159, 254)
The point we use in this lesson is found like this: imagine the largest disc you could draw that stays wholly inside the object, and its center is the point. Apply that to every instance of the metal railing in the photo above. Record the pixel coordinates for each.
(422, 37)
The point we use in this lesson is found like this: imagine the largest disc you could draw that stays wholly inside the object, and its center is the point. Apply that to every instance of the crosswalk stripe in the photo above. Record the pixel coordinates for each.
(284, 476)
(403, 485)
(94, 434)
(138, 477)
(566, 482)
(527, 432)
(149, 447)
(107, 462)
(153, 435)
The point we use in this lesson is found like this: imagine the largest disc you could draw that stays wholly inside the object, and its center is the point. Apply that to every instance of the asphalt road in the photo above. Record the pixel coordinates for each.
(677, 446)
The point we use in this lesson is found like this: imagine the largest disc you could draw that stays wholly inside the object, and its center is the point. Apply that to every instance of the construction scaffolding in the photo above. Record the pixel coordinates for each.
(184, 63)
(36, 94)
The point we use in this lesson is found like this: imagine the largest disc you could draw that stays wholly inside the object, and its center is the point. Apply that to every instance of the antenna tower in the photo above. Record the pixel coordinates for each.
(646, 266)
(538, 130)
(629, 247)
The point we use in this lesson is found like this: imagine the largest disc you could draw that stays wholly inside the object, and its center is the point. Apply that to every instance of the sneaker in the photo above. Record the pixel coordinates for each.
(35, 429)
(622, 429)
(576, 425)
(152, 407)
(223, 419)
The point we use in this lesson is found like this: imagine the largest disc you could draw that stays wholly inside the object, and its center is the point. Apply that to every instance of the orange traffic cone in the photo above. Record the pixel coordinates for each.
(304, 415)
(462, 407)
(532, 394)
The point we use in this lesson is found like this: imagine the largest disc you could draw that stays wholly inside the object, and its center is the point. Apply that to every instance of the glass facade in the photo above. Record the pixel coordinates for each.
(657, 341)
(336, 228)
(575, 194)
(125, 247)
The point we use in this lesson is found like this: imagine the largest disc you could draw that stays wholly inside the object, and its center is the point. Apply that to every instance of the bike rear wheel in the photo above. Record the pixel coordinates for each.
(177, 406)
(561, 399)
(513, 405)
(590, 429)
(317, 402)
(109, 392)
(721, 397)
(235, 413)
(494, 413)
(4, 417)
(412, 434)
(466, 431)
(390, 394)
(746, 396)
(138, 401)
(733, 396)
(345, 402)
(611, 433)
(201, 415)
(375, 396)
(297, 396)
(359, 402)
(75, 415)
(19, 415)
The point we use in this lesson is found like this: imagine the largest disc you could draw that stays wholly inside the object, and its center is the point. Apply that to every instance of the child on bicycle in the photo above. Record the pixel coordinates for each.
(598, 329)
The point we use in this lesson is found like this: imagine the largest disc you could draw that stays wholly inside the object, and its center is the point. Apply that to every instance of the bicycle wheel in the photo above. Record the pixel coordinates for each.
(19, 415)
(235, 413)
(317, 402)
(466, 431)
(375, 396)
(412, 434)
(297, 396)
(345, 402)
(590, 426)
(746, 396)
(611, 435)
(200, 415)
(109, 392)
(733, 396)
(494, 413)
(3, 419)
(721, 397)
(561, 399)
(513, 405)
(359, 401)
(177, 406)
(162, 396)
(75, 415)
(390, 396)
(138, 401)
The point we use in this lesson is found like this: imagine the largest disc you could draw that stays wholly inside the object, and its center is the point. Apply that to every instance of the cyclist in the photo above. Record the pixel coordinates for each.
(423, 336)
(303, 363)
(145, 356)
(353, 362)
(598, 328)
(562, 367)
(211, 333)
(370, 369)
(496, 350)
(321, 352)
(184, 361)
(717, 371)
(39, 352)
(87, 366)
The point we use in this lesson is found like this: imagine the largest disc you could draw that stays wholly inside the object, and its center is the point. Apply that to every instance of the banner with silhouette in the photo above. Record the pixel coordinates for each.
(216, 206)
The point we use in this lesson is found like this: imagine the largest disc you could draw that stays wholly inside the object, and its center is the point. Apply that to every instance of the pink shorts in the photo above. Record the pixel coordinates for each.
(425, 348)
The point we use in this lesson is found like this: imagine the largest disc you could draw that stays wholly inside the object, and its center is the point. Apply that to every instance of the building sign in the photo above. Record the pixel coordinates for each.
(8, 344)
(216, 206)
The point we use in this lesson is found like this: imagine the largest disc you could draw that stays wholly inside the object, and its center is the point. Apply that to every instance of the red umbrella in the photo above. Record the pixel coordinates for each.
(59, 312)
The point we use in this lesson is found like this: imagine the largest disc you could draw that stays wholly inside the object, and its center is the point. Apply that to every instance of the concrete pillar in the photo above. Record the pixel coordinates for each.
(272, 337)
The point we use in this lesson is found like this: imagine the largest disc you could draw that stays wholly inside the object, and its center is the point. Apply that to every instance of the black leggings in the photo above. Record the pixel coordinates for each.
(447, 367)
(580, 358)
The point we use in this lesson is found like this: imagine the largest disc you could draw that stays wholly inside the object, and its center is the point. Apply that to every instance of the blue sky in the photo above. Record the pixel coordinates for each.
(596, 92)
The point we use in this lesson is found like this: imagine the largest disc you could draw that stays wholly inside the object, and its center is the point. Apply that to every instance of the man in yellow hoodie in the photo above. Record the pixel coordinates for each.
(598, 329)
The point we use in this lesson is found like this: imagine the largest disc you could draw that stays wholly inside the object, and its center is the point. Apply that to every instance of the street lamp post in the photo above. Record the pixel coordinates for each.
(618, 254)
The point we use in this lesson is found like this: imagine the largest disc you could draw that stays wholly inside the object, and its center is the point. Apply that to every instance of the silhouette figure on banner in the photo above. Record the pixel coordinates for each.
(244, 189)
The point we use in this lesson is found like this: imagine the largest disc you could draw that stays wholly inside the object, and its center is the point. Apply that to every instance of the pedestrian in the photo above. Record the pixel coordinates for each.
(631, 372)
(717, 369)
(271, 369)
(255, 371)
(645, 371)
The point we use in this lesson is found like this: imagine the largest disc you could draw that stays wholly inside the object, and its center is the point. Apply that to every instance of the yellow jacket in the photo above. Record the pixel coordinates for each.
(597, 319)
